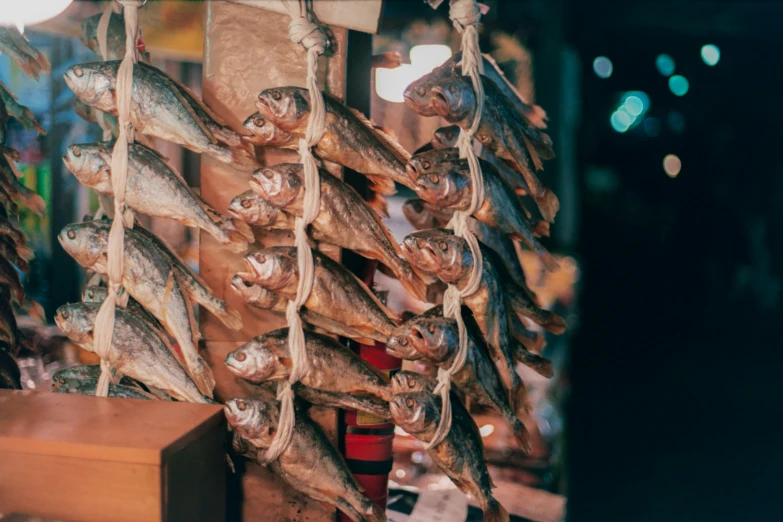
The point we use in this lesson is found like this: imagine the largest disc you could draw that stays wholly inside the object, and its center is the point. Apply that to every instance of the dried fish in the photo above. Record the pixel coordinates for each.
(32, 61)
(115, 36)
(9, 180)
(18, 111)
(97, 294)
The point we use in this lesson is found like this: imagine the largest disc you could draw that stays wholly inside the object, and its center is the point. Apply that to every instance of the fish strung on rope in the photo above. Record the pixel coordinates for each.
(19, 112)
(309, 464)
(154, 188)
(84, 379)
(332, 366)
(443, 179)
(259, 297)
(461, 453)
(98, 294)
(337, 294)
(162, 108)
(32, 61)
(350, 139)
(8, 250)
(136, 350)
(344, 219)
(10, 230)
(255, 210)
(503, 129)
(149, 278)
(115, 37)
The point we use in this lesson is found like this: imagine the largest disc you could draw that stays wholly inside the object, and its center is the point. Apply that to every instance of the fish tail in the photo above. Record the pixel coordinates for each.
(231, 319)
(202, 376)
(518, 395)
(414, 284)
(378, 203)
(537, 116)
(43, 62)
(25, 252)
(235, 234)
(217, 307)
(548, 204)
(532, 341)
(540, 365)
(35, 203)
(495, 512)
(541, 229)
(381, 185)
(30, 67)
(521, 435)
(529, 239)
(550, 321)
(36, 311)
(10, 153)
(242, 159)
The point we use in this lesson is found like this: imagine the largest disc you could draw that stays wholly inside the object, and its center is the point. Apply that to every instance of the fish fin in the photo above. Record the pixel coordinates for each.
(36, 204)
(534, 157)
(495, 512)
(381, 185)
(35, 311)
(203, 378)
(415, 286)
(29, 122)
(231, 319)
(521, 435)
(537, 116)
(394, 146)
(220, 121)
(555, 324)
(378, 203)
(548, 204)
(237, 233)
(542, 253)
(540, 365)
(243, 159)
(375, 514)
(518, 395)
(43, 62)
(11, 154)
(541, 229)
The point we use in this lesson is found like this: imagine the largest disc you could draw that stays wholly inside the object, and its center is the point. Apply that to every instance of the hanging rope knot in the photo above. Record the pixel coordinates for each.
(303, 31)
(464, 13)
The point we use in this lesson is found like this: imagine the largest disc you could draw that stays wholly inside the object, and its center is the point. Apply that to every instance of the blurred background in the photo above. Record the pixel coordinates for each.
(663, 115)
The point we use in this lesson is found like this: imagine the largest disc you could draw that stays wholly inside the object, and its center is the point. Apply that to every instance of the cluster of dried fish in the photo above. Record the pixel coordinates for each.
(15, 251)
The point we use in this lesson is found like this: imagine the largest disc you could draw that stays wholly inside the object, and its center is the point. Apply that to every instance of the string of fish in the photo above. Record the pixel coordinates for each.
(302, 30)
(123, 217)
(465, 15)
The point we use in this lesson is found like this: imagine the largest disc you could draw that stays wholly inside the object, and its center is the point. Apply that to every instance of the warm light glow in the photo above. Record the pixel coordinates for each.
(679, 85)
(427, 57)
(390, 84)
(672, 165)
(487, 430)
(400, 473)
(710, 54)
(603, 67)
(665, 64)
(31, 12)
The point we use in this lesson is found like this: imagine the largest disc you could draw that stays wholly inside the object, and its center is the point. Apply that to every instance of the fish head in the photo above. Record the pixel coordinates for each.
(264, 132)
(84, 242)
(397, 344)
(94, 294)
(440, 178)
(75, 322)
(89, 34)
(417, 95)
(254, 294)
(253, 209)
(62, 378)
(406, 381)
(90, 163)
(254, 361)
(453, 98)
(92, 84)
(445, 137)
(253, 418)
(415, 412)
(422, 215)
(439, 251)
(287, 107)
(279, 184)
(434, 337)
(273, 268)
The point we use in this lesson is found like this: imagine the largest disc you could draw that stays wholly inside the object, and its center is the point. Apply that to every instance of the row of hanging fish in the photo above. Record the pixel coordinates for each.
(514, 146)
(15, 249)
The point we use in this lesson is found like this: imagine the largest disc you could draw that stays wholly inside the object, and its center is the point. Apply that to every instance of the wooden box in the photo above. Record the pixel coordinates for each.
(96, 459)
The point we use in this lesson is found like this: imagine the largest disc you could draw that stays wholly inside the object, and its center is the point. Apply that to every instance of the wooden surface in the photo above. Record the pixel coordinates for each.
(82, 458)
(360, 15)
(246, 51)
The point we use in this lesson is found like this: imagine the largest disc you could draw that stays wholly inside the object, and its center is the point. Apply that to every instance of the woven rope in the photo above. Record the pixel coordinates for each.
(104, 322)
(465, 14)
(302, 30)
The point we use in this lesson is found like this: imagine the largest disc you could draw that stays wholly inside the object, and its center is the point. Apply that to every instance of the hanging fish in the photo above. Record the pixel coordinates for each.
(9, 329)
(154, 188)
(150, 279)
(9, 230)
(350, 139)
(255, 210)
(8, 250)
(161, 108)
(115, 36)
(344, 219)
(82, 372)
(136, 350)
(443, 179)
(346, 401)
(259, 297)
(7, 203)
(337, 293)
(267, 134)
(97, 294)
(310, 464)
(460, 455)
(32, 61)
(397, 344)
(332, 366)
(18, 111)
(9, 180)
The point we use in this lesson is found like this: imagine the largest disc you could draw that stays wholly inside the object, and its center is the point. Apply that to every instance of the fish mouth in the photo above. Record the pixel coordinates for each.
(412, 170)
(416, 338)
(440, 101)
(397, 411)
(255, 139)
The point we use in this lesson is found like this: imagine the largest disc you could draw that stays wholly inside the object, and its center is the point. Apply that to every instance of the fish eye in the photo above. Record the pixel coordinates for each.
(241, 356)
(261, 258)
(241, 405)
(404, 342)
(258, 121)
(434, 178)
(65, 314)
(421, 91)
(443, 245)
(78, 72)
(426, 165)
(483, 138)
(431, 328)
(276, 95)
(268, 173)
(61, 380)
(411, 383)
(247, 283)
(409, 402)
(71, 234)
(452, 89)
(246, 203)
(76, 152)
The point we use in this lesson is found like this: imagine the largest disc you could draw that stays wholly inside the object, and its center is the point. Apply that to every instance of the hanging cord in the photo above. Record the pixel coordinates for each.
(465, 14)
(302, 29)
(104, 322)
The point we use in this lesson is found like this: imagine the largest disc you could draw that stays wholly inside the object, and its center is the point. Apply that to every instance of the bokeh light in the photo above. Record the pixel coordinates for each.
(672, 165)
(603, 67)
(678, 85)
(710, 54)
(630, 112)
(665, 64)
(427, 57)
(634, 105)
(621, 121)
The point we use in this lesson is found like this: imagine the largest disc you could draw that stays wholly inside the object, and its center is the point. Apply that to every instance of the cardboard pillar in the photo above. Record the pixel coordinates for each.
(247, 50)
